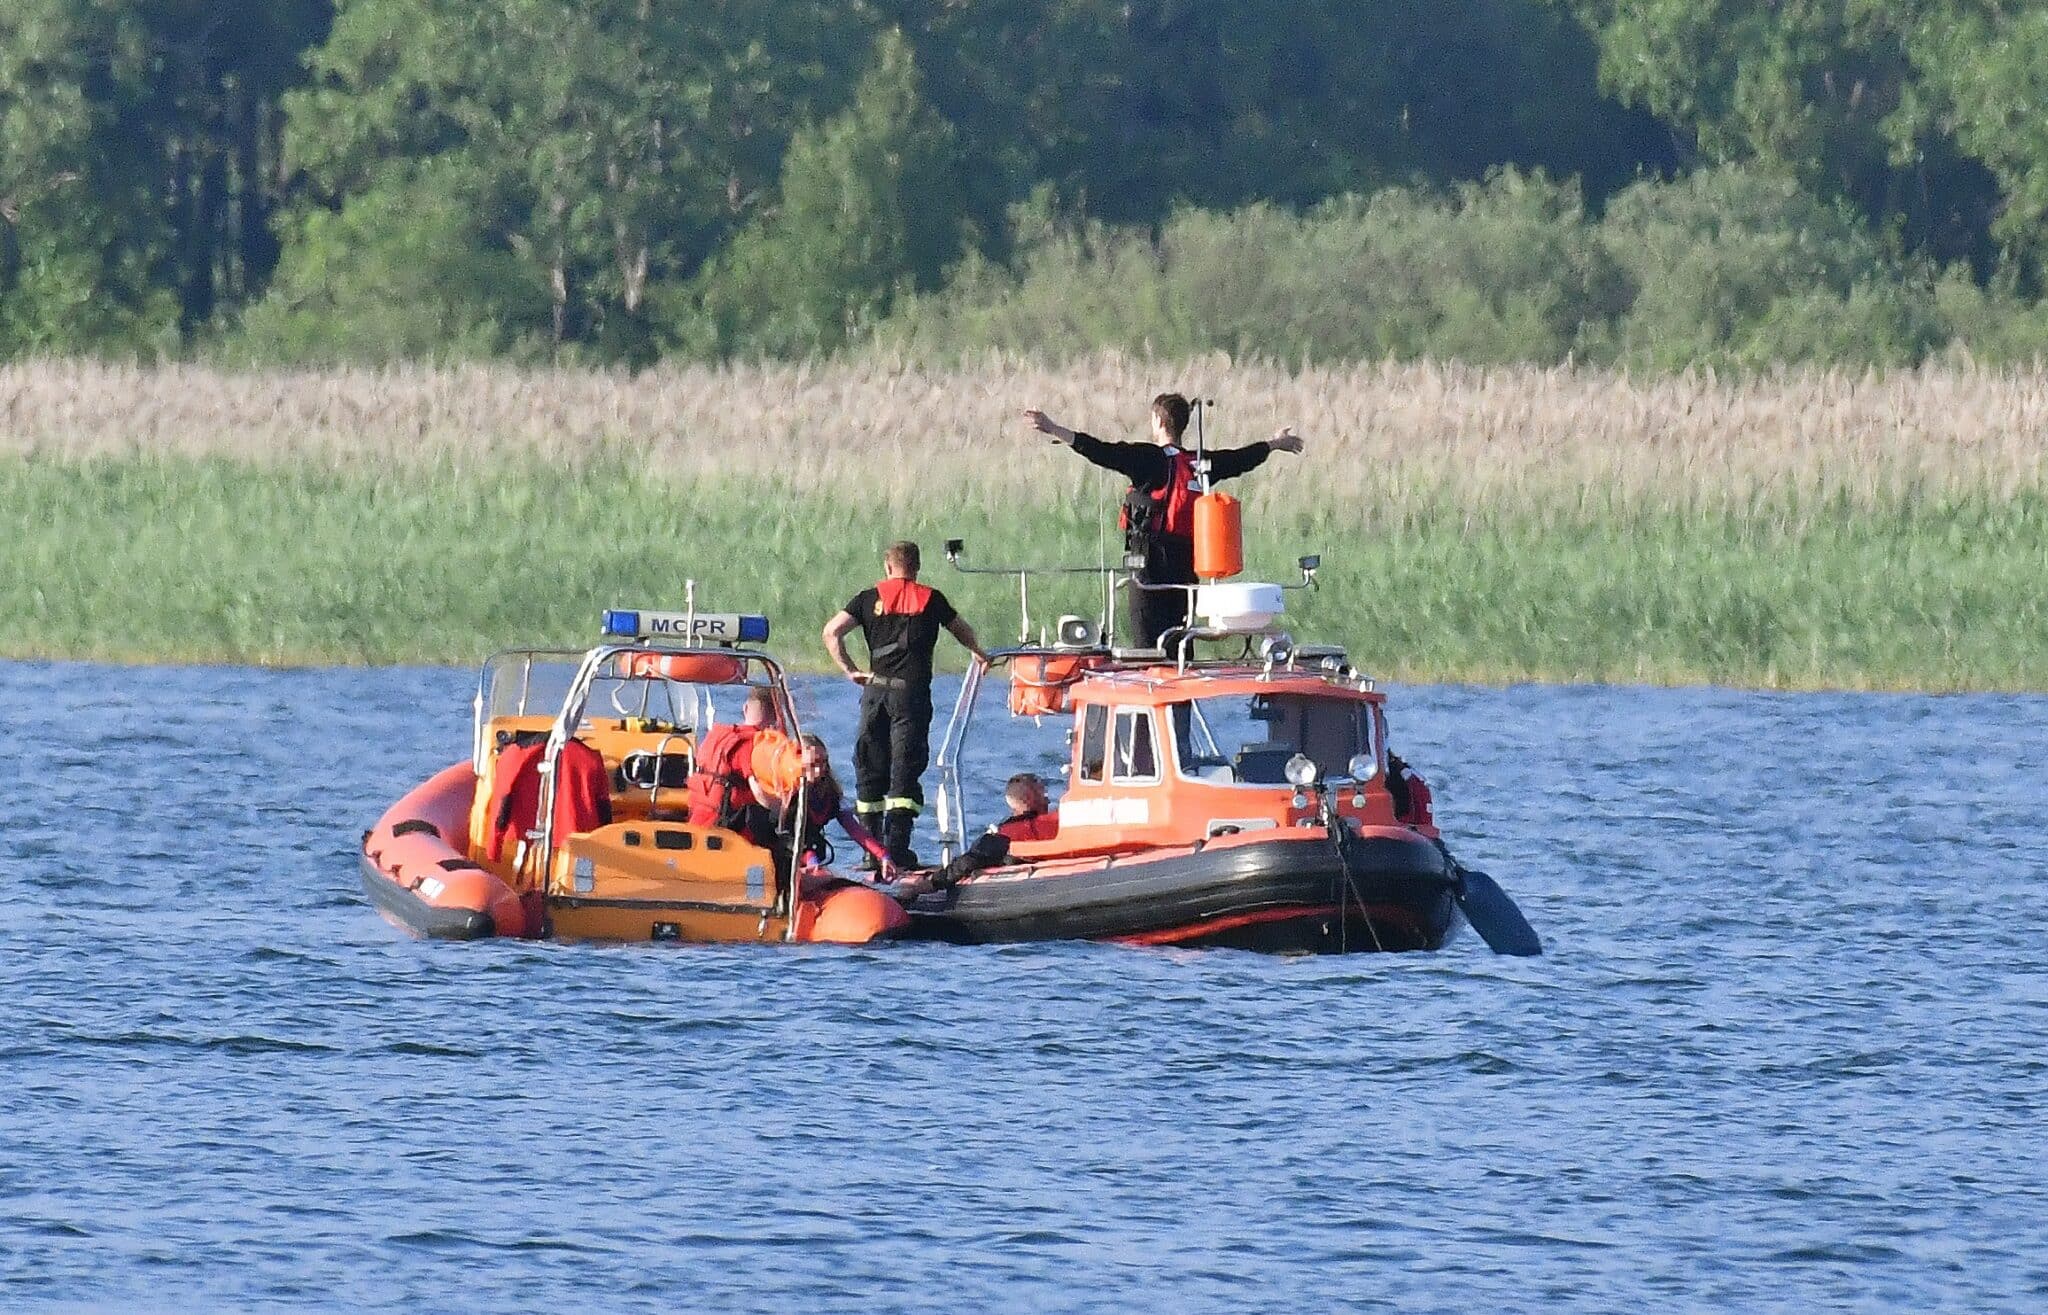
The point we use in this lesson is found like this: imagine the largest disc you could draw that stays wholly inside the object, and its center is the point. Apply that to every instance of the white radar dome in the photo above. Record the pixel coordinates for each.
(1239, 605)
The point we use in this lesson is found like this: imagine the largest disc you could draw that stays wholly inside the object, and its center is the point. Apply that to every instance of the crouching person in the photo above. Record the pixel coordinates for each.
(723, 791)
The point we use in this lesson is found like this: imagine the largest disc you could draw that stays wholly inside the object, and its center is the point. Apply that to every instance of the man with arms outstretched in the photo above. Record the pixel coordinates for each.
(1158, 517)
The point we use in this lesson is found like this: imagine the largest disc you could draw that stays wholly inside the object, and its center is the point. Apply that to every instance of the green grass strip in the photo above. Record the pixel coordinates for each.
(149, 559)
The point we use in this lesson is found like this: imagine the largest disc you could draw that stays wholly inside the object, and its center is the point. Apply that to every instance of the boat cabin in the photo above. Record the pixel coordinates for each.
(1173, 748)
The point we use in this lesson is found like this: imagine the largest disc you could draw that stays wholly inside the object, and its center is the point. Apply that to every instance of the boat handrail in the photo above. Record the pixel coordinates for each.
(947, 801)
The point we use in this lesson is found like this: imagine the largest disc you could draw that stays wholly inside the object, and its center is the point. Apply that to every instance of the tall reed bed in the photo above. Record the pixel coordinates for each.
(1809, 529)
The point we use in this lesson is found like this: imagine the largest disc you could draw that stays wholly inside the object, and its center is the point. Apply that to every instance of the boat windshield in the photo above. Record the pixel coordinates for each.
(529, 684)
(526, 684)
(1247, 740)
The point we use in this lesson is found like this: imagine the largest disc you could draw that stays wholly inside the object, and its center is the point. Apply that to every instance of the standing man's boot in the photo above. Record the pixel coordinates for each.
(872, 817)
(897, 825)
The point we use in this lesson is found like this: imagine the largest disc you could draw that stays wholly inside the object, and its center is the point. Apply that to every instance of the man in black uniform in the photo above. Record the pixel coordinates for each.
(1159, 508)
(901, 620)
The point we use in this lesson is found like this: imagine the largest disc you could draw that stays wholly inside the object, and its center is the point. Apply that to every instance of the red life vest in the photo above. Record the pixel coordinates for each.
(583, 790)
(583, 793)
(515, 796)
(718, 788)
(901, 598)
(1170, 509)
(1029, 826)
(1419, 811)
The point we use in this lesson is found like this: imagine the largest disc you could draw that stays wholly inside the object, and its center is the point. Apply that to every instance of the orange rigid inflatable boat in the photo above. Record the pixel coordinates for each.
(571, 817)
(1240, 800)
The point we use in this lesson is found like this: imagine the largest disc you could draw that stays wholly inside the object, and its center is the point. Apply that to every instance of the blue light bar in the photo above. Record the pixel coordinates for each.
(700, 628)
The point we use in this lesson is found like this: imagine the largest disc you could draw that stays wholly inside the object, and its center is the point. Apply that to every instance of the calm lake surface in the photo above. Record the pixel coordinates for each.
(1789, 1047)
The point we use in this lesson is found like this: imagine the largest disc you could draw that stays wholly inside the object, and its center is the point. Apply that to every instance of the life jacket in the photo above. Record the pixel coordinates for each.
(515, 796)
(901, 598)
(718, 788)
(822, 803)
(583, 793)
(583, 790)
(1412, 802)
(1168, 510)
(1029, 826)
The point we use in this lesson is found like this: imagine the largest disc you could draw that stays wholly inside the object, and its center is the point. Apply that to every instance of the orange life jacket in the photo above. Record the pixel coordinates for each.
(718, 788)
(901, 598)
(1168, 510)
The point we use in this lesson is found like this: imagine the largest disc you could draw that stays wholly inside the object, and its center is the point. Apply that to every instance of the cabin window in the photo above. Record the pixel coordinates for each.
(1094, 741)
(1135, 759)
(1247, 741)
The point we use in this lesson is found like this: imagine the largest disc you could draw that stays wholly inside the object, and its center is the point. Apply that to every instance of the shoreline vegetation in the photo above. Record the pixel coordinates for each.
(1798, 529)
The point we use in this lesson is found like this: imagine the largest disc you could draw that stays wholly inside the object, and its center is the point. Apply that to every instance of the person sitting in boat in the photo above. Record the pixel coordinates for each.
(1031, 813)
(1032, 817)
(1158, 516)
(1412, 803)
(825, 801)
(723, 791)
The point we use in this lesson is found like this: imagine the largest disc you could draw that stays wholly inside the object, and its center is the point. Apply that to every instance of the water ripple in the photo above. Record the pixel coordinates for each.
(1784, 1052)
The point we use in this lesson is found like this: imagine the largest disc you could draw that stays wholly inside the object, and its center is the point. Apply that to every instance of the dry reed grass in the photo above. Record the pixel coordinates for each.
(1557, 441)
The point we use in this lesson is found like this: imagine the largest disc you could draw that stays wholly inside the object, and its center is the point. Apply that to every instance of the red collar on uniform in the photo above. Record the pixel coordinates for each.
(901, 598)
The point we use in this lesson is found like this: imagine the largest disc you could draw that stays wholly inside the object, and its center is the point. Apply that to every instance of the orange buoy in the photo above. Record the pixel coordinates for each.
(850, 915)
(778, 763)
(1040, 683)
(1219, 536)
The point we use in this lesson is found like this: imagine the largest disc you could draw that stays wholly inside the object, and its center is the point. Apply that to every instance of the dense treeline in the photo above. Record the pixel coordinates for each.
(1658, 182)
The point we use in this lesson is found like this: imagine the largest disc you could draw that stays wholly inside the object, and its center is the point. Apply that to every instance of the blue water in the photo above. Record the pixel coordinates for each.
(1786, 1050)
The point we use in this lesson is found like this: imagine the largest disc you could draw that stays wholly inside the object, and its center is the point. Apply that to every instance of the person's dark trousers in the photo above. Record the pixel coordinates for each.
(890, 752)
(1153, 612)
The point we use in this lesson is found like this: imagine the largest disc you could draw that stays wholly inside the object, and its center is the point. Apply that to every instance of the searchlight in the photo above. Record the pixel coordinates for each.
(686, 627)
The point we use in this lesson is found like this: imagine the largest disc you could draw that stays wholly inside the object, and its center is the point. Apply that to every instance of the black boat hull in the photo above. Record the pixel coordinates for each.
(1282, 896)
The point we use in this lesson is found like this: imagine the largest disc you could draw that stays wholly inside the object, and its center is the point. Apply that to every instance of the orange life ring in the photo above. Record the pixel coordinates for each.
(1041, 682)
(688, 668)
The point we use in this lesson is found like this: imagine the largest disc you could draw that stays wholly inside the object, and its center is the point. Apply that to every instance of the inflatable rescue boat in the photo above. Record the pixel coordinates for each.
(571, 817)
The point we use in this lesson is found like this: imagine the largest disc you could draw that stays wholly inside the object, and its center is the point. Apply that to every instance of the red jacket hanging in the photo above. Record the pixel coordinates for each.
(583, 798)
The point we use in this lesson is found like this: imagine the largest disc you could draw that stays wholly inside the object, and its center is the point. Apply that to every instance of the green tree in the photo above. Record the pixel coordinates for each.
(1135, 107)
(1986, 80)
(1821, 90)
(606, 144)
(870, 203)
(1738, 266)
(138, 180)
